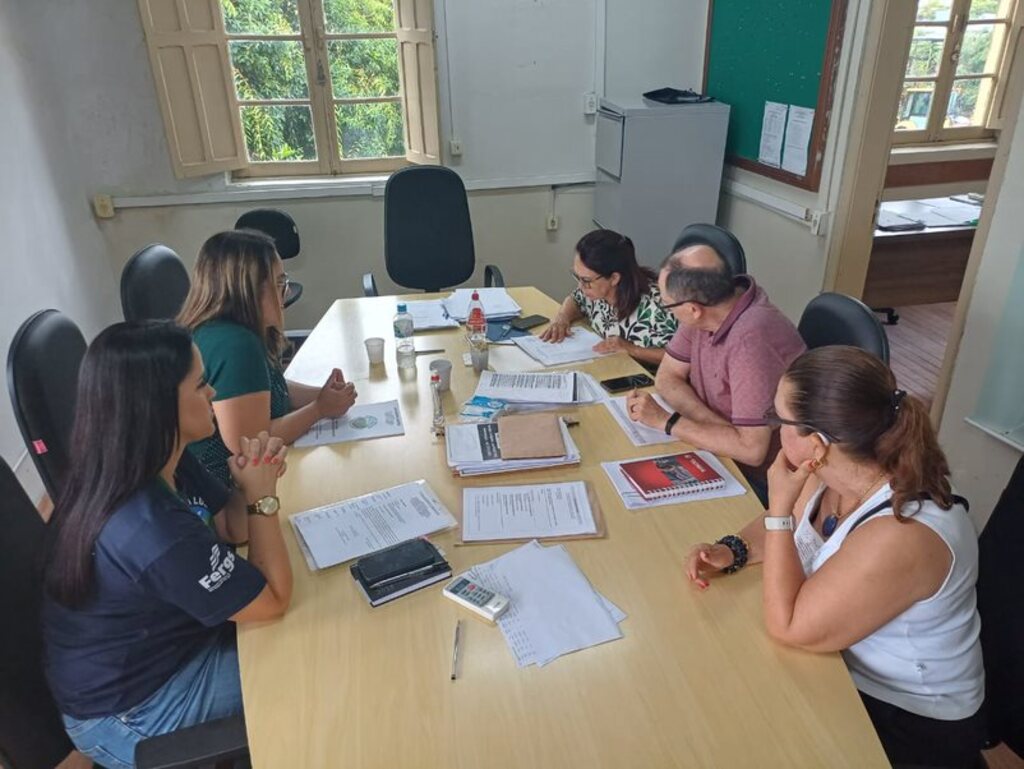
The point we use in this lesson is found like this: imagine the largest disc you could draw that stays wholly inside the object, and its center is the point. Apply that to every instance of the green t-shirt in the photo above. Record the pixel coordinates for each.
(236, 364)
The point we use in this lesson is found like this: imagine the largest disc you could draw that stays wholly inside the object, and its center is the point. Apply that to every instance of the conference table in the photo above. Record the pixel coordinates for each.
(694, 682)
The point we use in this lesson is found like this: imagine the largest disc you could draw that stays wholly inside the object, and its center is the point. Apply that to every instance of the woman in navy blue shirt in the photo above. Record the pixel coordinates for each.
(141, 593)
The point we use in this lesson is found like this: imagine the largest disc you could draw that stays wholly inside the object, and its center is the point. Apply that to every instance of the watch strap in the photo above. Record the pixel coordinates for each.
(779, 523)
(672, 422)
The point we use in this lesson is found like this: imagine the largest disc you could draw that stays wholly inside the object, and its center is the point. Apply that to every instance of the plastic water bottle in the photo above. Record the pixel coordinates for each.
(435, 394)
(405, 350)
(476, 321)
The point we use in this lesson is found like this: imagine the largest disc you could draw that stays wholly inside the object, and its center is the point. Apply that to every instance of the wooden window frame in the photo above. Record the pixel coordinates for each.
(1000, 56)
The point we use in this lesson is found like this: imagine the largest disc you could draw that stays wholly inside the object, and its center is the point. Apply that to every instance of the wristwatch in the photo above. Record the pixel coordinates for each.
(264, 506)
(778, 522)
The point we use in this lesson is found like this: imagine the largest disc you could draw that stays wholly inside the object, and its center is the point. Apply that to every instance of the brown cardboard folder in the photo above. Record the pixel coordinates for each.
(530, 436)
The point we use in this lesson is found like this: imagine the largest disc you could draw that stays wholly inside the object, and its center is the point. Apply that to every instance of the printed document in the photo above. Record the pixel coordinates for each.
(369, 420)
(773, 127)
(528, 387)
(577, 347)
(497, 302)
(430, 313)
(639, 433)
(633, 500)
(798, 139)
(514, 512)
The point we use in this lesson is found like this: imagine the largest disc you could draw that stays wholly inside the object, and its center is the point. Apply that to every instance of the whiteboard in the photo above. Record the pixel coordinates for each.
(512, 77)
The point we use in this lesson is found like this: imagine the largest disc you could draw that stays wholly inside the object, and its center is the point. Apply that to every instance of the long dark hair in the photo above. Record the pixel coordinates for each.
(606, 252)
(231, 270)
(125, 430)
(851, 394)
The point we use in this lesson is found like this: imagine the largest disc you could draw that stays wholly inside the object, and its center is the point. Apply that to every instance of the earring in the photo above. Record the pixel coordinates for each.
(817, 464)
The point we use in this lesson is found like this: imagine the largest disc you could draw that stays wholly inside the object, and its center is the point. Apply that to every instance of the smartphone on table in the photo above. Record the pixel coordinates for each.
(623, 383)
(528, 322)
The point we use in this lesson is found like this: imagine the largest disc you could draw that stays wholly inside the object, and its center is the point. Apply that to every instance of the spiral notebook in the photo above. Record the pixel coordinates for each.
(671, 475)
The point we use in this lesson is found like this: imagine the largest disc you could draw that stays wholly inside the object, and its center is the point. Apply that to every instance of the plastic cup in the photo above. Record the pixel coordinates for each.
(375, 350)
(478, 353)
(443, 367)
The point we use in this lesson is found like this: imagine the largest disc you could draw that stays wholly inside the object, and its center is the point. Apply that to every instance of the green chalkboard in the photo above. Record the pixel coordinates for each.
(773, 50)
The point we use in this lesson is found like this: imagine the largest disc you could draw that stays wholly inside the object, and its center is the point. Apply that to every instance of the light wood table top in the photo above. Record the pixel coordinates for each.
(694, 682)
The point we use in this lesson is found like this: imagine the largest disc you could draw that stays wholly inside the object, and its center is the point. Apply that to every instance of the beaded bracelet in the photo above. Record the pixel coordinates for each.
(739, 552)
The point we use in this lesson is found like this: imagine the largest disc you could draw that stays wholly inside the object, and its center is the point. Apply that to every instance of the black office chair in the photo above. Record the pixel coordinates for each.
(281, 227)
(724, 242)
(1001, 606)
(428, 235)
(42, 378)
(832, 318)
(154, 284)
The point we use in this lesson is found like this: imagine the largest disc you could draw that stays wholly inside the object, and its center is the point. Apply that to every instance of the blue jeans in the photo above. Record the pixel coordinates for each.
(206, 688)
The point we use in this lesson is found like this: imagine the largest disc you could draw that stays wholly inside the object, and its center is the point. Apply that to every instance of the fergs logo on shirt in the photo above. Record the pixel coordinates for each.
(220, 568)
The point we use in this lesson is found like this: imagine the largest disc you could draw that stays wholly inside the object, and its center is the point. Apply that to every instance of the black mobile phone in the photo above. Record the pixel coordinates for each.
(622, 383)
(522, 324)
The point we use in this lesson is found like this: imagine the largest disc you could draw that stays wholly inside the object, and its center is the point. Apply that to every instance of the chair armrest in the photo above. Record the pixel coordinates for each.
(369, 285)
(195, 746)
(493, 276)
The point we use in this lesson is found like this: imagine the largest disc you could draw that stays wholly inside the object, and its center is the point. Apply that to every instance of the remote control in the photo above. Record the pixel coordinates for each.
(476, 598)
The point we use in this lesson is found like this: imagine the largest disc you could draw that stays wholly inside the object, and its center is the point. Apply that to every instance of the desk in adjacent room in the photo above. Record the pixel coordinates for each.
(694, 682)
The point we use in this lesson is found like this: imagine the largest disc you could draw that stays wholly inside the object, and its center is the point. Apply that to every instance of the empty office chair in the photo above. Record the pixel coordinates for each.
(724, 242)
(281, 227)
(42, 378)
(154, 284)
(32, 734)
(428, 235)
(832, 318)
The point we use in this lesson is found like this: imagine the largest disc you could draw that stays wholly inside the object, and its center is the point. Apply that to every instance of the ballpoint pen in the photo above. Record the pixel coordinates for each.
(406, 575)
(429, 352)
(455, 647)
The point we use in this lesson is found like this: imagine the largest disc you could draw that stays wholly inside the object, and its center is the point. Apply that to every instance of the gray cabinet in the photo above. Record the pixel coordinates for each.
(659, 168)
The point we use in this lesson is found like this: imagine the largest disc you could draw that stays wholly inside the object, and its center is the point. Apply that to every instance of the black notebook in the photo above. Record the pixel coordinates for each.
(398, 570)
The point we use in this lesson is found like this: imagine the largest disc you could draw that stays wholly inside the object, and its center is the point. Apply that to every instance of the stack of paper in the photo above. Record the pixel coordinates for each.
(498, 304)
(633, 500)
(640, 434)
(339, 532)
(527, 512)
(577, 347)
(369, 420)
(554, 610)
(524, 388)
(430, 313)
(473, 449)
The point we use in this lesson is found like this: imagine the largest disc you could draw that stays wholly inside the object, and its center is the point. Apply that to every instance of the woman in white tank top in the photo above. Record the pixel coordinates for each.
(866, 551)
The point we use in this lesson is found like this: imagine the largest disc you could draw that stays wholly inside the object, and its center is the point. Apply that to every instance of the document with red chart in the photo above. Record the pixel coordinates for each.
(671, 475)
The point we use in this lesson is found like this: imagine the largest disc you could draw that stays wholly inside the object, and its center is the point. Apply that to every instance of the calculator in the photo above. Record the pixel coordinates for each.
(476, 598)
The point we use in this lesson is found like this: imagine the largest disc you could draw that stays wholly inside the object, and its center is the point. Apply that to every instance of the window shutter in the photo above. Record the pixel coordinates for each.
(189, 55)
(414, 25)
(1010, 71)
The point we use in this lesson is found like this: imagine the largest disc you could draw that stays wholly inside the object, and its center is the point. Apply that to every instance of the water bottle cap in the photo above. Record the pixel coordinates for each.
(476, 295)
(435, 377)
(401, 307)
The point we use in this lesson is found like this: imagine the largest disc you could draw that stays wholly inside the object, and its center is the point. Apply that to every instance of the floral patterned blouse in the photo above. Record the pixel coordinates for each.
(650, 324)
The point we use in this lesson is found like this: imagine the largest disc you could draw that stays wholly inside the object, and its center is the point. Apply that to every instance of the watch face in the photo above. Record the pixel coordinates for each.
(268, 505)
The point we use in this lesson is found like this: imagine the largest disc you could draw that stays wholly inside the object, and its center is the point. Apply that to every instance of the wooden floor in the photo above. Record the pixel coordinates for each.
(917, 346)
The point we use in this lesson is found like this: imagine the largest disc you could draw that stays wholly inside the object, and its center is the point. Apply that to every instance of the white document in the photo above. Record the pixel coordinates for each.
(430, 313)
(639, 434)
(528, 387)
(632, 499)
(497, 302)
(369, 420)
(579, 346)
(473, 449)
(341, 531)
(554, 610)
(514, 512)
(798, 138)
(773, 126)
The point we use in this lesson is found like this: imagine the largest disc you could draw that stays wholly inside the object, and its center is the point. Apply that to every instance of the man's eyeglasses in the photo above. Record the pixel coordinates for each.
(585, 282)
(670, 305)
(772, 419)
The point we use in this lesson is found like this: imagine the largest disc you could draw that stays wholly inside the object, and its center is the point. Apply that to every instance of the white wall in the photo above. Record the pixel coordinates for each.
(981, 464)
(54, 253)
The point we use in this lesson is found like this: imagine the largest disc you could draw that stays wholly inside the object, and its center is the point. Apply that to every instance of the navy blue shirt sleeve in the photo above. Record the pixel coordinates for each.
(199, 486)
(204, 578)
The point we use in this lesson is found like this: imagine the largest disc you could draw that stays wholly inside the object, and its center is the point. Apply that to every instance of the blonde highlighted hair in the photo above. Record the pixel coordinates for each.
(231, 271)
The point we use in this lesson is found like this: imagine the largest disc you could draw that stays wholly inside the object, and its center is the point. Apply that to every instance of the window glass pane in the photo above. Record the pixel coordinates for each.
(915, 103)
(261, 17)
(364, 67)
(990, 9)
(359, 16)
(926, 51)
(934, 10)
(271, 70)
(279, 133)
(968, 102)
(976, 54)
(370, 130)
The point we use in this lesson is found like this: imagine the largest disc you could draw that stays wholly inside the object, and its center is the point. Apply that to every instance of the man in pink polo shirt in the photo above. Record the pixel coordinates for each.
(722, 366)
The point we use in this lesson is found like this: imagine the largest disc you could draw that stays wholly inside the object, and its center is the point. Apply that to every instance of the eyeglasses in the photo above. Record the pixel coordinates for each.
(283, 285)
(670, 305)
(772, 419)
(586, 282)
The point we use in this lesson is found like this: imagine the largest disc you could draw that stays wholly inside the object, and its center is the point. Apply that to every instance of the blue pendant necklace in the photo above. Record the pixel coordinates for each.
(831, 522)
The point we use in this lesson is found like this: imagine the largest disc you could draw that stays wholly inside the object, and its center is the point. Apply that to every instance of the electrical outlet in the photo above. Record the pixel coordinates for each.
(455, 148)
(590, 103)
(103, 206)
(552, 223)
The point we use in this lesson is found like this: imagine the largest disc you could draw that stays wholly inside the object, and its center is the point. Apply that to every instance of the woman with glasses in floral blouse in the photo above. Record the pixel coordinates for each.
(618, 297)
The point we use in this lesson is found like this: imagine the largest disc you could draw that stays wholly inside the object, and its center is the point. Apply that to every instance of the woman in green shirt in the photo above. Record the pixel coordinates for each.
(235, 311)
(619, 298)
